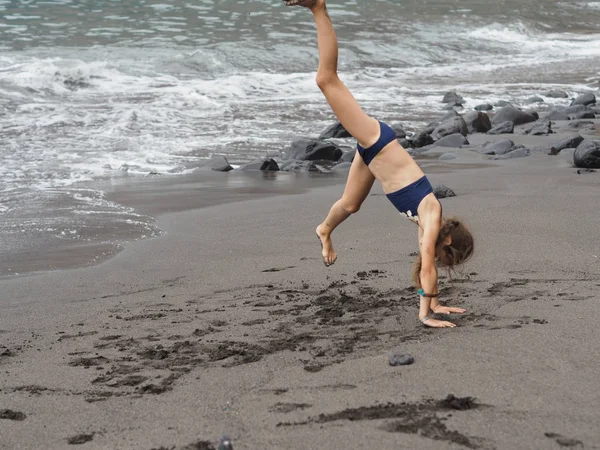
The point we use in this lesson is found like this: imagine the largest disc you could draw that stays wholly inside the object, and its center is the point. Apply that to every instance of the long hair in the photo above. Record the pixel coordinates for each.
(458, 252)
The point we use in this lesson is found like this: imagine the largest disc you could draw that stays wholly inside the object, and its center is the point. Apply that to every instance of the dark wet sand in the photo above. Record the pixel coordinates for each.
(151, 196)
(229, 323)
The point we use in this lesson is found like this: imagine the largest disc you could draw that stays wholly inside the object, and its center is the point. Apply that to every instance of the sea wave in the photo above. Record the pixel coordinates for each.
(524, 40)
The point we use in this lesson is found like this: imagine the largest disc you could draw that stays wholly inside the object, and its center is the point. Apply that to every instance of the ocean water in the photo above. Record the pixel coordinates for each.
(100, 89)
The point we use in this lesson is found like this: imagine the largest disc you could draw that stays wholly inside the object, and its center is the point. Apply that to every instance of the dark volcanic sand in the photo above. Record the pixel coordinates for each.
(413, 418)
(321, 325)
(231, 324)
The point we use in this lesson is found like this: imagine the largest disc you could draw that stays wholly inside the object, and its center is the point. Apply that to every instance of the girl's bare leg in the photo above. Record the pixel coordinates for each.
(358, 186)
(364, 128)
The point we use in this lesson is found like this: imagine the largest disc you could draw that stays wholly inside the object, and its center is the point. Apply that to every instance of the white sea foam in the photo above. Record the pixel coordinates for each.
(543, 45)
(580, 5)
(79, 115)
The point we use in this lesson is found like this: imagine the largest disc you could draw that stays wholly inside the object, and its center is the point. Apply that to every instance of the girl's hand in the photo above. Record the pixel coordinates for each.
(439, 309)
(434, 323)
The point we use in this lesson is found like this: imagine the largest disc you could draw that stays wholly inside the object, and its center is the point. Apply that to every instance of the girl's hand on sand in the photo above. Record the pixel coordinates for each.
(439, 309)
(434, 323)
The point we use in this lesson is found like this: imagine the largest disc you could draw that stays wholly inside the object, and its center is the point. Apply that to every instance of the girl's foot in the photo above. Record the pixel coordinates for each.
(306, 3)
(434, 323)
(329, 256)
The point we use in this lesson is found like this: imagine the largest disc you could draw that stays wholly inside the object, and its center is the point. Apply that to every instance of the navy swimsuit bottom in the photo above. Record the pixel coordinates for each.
(407, 199)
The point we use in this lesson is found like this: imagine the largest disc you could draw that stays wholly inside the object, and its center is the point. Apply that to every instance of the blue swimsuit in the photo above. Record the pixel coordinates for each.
(407, 199)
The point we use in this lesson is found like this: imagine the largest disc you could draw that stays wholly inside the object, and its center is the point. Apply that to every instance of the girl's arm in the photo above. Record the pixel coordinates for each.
(429, 276)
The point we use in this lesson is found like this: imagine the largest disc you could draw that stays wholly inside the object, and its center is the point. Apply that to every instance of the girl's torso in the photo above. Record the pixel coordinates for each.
(394, 168)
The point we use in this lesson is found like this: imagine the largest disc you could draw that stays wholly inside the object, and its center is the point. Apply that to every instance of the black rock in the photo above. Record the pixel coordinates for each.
(269, 165)
(498, 148)
(452, 106)
(477, 122)
(556, 94)
(484, 107)
(429, 128)
(581, 124)
(335, 131)
(319, 166)
(534, 99)
(216, 163)
(455, 140)
(540, 128)
(585, 99)
(515, 115)
(400, 133)
(453, 98)
(405, 143)
(449, 115)
(507, 127)
(557, 114)
(587, 154)
(220, 164)
(574, 109)
(518, 151)
(441, 191)
(450, 126)
(421, 139)
(266, 165)
(570, 142)
(311, 150)
(584, 115)
(399, 358)
(534, 114)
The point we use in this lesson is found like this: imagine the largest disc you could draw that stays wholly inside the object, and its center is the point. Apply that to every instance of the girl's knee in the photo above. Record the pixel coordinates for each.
(351, 207)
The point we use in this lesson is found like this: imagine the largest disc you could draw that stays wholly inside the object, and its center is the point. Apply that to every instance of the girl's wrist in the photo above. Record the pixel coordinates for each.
(422, 293)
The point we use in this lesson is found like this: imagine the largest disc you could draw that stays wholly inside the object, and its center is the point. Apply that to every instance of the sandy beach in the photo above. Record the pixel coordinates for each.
(230, 324)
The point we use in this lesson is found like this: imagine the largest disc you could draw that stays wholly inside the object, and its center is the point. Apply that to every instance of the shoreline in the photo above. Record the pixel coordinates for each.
(155, 196)
(151, 197)
(125, 209)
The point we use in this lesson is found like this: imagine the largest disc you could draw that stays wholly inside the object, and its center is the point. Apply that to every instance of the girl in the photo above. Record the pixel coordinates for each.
(380, 156)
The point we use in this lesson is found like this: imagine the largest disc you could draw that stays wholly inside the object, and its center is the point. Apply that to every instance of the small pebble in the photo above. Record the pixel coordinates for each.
(400, 358)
